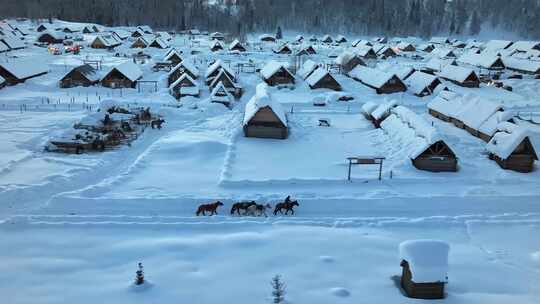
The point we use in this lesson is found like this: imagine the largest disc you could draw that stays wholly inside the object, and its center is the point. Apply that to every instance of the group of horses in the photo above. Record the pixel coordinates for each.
(249, 208)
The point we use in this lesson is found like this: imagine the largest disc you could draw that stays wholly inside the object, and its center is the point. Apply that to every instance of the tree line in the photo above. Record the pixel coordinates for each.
(362, 17)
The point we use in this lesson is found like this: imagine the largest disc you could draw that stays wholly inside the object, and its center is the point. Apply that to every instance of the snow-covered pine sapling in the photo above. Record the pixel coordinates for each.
(278, 290)
(139, 277)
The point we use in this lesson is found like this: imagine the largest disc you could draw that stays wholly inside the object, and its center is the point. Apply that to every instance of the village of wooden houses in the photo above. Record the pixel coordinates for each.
(360, 169)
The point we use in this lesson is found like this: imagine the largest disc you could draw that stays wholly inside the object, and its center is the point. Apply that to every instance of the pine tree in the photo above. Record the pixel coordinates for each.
(279, 34)
(278, 290)
(139, 275)
(475, 27)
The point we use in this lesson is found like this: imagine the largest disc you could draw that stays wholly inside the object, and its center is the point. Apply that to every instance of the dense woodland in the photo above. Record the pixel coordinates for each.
(370, 17)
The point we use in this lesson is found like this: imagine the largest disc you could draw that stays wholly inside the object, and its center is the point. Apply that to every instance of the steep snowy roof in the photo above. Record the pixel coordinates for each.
(484, 60)
(457, 73)
(186, 65)
(524, 46)
(271, 68)
(401, 71)
(12, 42)
(306, 69)
(437, 64)
(526, 65)
(447, 103)
(235, 43)
(383, 109)
(128, 69)
(489, 126)
(180, 79)
(23, 69)
(428, 259)
(442, 52)
(364, 50)
(494, 45)
(371, 77)
(220, 93)
(508, 137)
(345, 57)
(316, 76)
(261, 99)
(170, 54)
(215, 66)
(475, 111)
(419, 81)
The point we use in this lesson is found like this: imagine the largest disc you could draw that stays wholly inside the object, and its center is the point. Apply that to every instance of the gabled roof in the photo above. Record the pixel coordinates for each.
(236, 44)
(12, 43)
(182, 78)
(495, 45)
(419, 81)
(480, 60)
(184, 64)
(214, 67)
(273, 67)
(107, 39)
(508, 137)
(262, 99)
(371, 77)
(307, 68)
(220, 94)
(456, 73)
(129, 69)
(87, 71)
(158, 42)
(217, 44)
(317, 75)
(437, 64)
(146, 29)
(524, 65)
(23, 69)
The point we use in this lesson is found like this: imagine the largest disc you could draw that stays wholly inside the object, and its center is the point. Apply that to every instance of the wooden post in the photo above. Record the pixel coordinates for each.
(380, 168)
(350, 165)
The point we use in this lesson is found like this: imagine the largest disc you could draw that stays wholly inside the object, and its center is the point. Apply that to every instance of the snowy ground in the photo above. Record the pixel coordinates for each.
(71, 223)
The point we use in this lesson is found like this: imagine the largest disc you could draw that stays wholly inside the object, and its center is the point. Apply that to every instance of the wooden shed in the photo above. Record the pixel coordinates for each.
(216, 46)
(327, 39)
(18, 71)
(227, 82)
(124, 75)
(173, 56)
(275, 73)
(51, 37)
(105, 41)
(382, 82)
(322, 79)
(184, 86)
(422, 84)
(514, 147)
(438, 157)
(84, 75)
(283, 50)
(236, 46)
(214, 69)
(348, 61)
(141, 43)
(406, 47)
(459, 75)
(263, 117)
(424, 266)
(182, 68)
(306, 51)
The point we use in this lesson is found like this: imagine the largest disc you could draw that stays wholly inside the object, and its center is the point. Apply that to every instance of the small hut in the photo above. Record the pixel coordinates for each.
(267, 38)
(381, 82)
(51, 37)
(424, 266)
(84, 75)
(141, 43)
(422, 84)
(307, 69)
(158, 43)
(386, 52)
(327, 39)
(228, 82)
(184, 86)
(124, 75)
(263, 117)
(137, 33)
(236, 46)
(514, 147)
(341, 39)
(216, 46)
(461, 76)
(283, 50)
(105, 41)
(43, 27)
(214, 69)
(182, 68)
(18, 71)
(406, 47)
(173, 56)
(322, 79)
(275, 73)
(366, 52)
(348, 61)
(221, 95)
(306, 51)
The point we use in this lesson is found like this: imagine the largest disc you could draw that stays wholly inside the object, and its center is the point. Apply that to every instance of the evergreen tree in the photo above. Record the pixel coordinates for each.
(475, 26)
(279, 34)
(278, 290)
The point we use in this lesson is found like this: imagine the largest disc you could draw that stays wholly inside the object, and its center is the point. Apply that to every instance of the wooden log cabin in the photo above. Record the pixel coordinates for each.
(436, 158)
(381, 82)
(424, 266)
(276, 74)
(322, 79)
(348, 61)
(263, 117)
(124, 75)
(460, 75)
(83, 75)
(18, 71)
(514, 148)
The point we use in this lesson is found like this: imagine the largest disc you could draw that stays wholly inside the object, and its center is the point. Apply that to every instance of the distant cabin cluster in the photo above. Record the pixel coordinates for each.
(443, 74)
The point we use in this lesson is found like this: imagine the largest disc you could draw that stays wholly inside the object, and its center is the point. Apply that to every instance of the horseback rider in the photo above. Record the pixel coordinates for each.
(288, 199)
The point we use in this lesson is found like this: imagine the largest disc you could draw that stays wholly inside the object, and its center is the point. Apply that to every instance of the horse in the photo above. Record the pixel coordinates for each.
(244, 206)
(288, 206)
(157, 123)
(212, 208)
(258, 210)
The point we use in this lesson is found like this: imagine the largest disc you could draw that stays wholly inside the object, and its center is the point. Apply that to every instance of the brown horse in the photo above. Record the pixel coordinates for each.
(242, 206)
(288, 206)
(212, 208)
(258, 210)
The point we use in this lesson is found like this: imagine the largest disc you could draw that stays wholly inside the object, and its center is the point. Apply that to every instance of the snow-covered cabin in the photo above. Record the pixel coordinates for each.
(497, 45)
(214, 69)
(514, 147)
(382, 82)
(522, 65)
(401, 71)
(348, 60)
(121, 34)
(380, 112)
(386, 52)
(283, 49)
(105, 41)
(424, 268)
(137, 33)
(70, 29)
(264, 117)
(142, 42)
(158, 43)
(341, 39)
(44, 27)
(483, 60)
(145, 29)
(422, 84)
(236, 46)
(184, 86)
(12, 43)
(439, 40)
(216, 45)
(306, 51)
(406, 47)
(307, 69)
(444, 105)
(18, 71)
(220, 95)
(267, 38)
(164, 36)
(217, 36)
(327, 39)
(359, 42)
(124, 75)
(84, 75)
(366, 52)
(428, 48)
(525, 46)
(461, 76)
(51, 37)
(173, 56)
(276, 73)
(184, 67)
(322, 79)
(443, 52)
(228, 82)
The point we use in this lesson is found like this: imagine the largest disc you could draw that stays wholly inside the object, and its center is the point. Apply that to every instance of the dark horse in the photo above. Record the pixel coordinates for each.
(157, 123)
(242, 206)
(258, 210)
(288, 206)
(212, 208)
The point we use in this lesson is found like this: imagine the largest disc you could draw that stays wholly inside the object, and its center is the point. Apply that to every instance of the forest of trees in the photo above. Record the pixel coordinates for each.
(370, 17)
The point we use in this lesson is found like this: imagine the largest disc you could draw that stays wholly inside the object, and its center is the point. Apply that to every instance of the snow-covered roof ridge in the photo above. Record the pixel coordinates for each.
(428, 259)
(261, 99)
(272, 67)
(22, 68)
(307, 68)
(316, 76)
(129, 69)
(370, 76)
